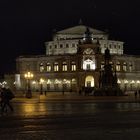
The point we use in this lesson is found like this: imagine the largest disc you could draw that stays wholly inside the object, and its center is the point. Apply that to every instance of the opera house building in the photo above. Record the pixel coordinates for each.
(74, 59)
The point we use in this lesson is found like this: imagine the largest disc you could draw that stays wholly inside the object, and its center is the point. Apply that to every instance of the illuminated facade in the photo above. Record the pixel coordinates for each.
(74, 59)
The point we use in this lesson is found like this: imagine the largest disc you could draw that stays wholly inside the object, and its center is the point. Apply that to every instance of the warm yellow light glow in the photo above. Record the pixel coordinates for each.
(125, 81)
(49, 81)
(41, 80)
(138, 82)
(29, 109)
(57, 81)
(89, 65)
(89, 81)
(34, 82)
(28, 75)
(4, 82)
(132, 82)
(68, 81)
(118, 81)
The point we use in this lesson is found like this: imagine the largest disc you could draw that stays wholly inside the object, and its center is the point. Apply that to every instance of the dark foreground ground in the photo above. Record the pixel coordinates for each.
(72, 118)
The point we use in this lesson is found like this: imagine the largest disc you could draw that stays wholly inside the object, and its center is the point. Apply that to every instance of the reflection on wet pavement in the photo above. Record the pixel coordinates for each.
(61, 121)
(28, 109)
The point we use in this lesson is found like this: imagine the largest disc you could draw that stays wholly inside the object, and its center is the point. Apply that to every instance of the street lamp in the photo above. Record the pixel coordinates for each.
(28, 76)
(41, 85)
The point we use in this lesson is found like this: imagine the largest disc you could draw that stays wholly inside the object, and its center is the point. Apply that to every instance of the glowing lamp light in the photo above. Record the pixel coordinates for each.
(118, 81)
(125, 81)
(41, 81)
(28, 75)
(49, 81)
(34, 82)
(41, 85)
(132, 82)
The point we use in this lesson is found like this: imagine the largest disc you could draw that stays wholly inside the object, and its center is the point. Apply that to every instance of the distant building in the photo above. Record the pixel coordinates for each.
(74, 59)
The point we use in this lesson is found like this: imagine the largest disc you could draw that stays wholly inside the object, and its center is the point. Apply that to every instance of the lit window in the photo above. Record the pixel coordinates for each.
(102, 65)
(118, 67)
(118, 81)
(111, 63)
(48, 67)
(41, 67)
(64, 66)
(124, 66)
(88, 66)
(73, 81)
(56, 68)
(73, 66)
(130, 67)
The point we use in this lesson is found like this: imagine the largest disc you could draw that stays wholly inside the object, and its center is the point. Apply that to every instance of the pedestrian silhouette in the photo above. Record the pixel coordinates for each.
(80, 92)
(6, 96)
(63, 92)
(45, 92)
(135, 94)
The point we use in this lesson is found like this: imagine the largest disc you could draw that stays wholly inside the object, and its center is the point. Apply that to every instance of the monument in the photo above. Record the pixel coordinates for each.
(108, 85)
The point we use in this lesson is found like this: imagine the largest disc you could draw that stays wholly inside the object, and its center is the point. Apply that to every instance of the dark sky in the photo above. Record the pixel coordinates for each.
(26, 24)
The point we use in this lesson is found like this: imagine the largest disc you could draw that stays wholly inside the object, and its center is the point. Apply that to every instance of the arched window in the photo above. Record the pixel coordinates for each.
(118, 67)
(89, 64)
(130, 66)
(111, 63)
(102, 65)
(48, 67)
(64, 66)
(41, 67)
(73, 81)
(56, 84)
(73, 66)
(124, 66)
(56, 68)
(89, 81)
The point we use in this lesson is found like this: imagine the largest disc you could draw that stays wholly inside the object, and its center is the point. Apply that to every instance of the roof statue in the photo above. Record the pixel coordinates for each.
(88, 36)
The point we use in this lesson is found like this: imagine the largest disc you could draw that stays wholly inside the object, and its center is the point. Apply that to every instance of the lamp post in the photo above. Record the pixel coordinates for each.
(41, 85)
(28, 76)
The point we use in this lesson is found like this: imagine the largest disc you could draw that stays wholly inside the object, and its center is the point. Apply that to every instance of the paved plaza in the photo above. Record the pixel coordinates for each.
(72, 117)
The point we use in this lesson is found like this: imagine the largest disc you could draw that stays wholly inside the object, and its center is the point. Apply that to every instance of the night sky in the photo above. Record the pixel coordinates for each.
(26, 24)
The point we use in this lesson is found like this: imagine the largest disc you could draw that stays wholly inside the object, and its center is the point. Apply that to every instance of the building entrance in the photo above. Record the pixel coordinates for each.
(89, 81)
